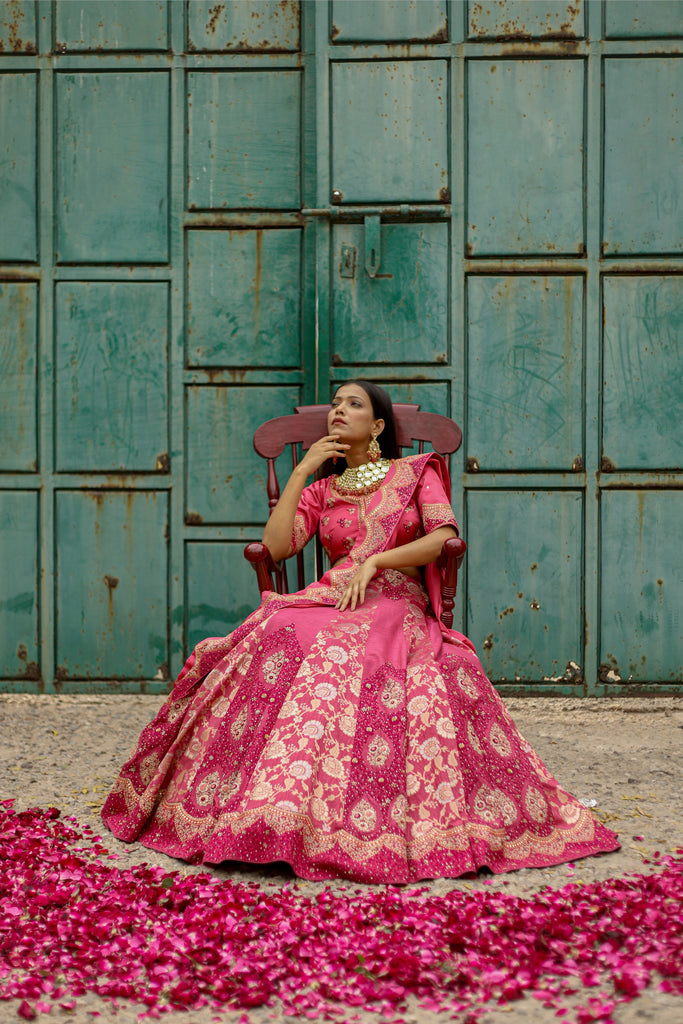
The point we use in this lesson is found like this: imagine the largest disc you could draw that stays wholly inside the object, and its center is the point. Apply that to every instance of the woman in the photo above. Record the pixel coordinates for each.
(343, 728)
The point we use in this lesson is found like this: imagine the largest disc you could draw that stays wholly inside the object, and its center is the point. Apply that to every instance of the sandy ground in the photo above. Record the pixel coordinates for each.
(65, 751)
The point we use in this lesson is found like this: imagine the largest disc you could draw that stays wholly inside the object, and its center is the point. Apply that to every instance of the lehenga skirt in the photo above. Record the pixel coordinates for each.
(367, 745)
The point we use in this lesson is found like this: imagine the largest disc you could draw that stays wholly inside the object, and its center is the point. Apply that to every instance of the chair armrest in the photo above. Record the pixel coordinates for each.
(450, 560)
(266, 568)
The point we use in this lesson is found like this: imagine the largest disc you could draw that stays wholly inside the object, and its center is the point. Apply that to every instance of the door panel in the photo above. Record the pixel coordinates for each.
(103, 25)
(18, 362)
(112, 167)
(525, 157)
(243, 298)
(18, 166)
(17, 26)
(401, 315)
(643, 197)
(111, 362)
(643, 19)
(19, 651)
(641, 594)
(221, 589)
(524, 372)
(111, 581)
(642, 380)
(260, 25)
(244, 139)
(409, 21)
(226, 480)
(389, 138)
(524, 582)
(526, 19)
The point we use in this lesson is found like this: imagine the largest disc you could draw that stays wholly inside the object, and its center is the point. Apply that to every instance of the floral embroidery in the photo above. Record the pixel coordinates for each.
(148, 768)
(378, 751)
(393, 694)
(446, 728)
(229, 788)
(347, 724)
(417, 705)
(207, 789)
(300, 770)
(325, 691)
(437, 515)
(474, 739)
(570, 812)
(499, 741)
(337, 655)
(364, 816)
(262, 791)
(444, 793)
(333, 767)
(239, 725)
(313, 729)
(430, 748)
(535, 804)
(466, 683)
(272, 667)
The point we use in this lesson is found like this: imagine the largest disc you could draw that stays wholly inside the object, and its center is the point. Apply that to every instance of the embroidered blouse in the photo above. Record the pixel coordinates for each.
(341, 519)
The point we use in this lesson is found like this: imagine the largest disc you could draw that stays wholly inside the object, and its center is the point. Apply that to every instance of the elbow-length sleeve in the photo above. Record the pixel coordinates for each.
(433, 502)
(307, 515)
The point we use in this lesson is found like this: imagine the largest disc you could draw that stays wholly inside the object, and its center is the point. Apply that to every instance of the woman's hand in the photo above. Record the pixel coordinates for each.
(326, 448)
(355, 592)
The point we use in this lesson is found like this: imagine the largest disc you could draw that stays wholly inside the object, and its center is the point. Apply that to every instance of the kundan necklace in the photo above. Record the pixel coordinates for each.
(362, 479)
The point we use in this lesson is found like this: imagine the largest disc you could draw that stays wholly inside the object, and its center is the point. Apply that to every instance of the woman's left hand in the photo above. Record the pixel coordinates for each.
(355, 592)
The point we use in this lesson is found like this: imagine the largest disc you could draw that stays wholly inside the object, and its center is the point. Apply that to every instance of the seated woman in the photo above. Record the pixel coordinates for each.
(344, 729)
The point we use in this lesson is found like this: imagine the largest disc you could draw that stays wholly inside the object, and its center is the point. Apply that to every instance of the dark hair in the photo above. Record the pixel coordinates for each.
(382, 410)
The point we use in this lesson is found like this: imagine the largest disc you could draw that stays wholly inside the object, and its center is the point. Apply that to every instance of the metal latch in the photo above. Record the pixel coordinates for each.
(373, 246)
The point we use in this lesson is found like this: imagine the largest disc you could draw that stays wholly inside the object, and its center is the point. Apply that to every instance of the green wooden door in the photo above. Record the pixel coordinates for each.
(210, 213)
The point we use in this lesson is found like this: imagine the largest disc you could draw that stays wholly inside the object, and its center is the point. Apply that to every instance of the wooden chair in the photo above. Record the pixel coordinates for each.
(309, 423)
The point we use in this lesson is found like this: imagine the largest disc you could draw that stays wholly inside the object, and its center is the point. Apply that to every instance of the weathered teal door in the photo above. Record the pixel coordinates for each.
(210, 213)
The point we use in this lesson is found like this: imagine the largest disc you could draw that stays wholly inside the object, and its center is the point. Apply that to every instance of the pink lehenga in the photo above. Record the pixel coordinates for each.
(363, 744)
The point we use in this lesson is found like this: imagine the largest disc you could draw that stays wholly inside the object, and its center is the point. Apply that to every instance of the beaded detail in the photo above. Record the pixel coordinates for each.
(362, 479)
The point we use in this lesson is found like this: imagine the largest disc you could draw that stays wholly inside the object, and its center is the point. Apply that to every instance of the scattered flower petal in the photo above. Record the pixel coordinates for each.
(73, 923)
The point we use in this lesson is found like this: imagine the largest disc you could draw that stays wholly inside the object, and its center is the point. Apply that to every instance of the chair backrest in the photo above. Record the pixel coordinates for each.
(309, 423)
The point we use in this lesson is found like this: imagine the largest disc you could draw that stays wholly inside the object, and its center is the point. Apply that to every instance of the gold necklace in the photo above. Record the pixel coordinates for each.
(362, 479)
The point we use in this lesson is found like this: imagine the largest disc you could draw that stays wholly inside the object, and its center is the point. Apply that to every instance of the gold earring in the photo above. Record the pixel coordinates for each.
(374, 450)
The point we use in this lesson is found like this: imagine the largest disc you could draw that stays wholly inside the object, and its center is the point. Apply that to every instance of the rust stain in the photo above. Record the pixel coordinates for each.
(22, 652)
(32, 671)
(193, 519)
(162, 463)
(258, 271)
(506, 611)
(238, 375)
(61, 672)
(445, 195)
(488, 642)
(334, 32)
(214, 15)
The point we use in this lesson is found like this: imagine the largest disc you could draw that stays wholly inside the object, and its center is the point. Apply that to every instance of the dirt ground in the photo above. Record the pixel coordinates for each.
(626, 754)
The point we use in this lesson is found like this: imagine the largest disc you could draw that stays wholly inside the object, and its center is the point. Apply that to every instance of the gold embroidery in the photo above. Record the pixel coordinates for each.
(437, 515)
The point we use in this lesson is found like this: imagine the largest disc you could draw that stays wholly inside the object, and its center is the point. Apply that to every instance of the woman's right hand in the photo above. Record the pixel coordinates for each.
(326, 448)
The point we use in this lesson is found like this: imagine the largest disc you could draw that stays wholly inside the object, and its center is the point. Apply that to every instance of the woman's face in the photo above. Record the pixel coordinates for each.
(351, 415)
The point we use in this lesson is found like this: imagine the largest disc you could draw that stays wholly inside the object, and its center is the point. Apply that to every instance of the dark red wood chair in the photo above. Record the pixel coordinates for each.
(309, 423)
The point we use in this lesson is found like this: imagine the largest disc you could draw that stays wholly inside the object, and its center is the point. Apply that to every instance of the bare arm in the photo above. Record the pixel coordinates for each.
(417, 552)
(277, 535)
